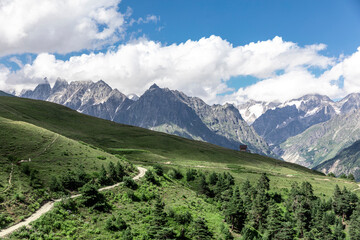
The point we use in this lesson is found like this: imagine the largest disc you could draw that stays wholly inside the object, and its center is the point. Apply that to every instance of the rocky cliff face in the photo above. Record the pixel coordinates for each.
(252, 109)
(293, 117)
(158, 109)
(322, 141)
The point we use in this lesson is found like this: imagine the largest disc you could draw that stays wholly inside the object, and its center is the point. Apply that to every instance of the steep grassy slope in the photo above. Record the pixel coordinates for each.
(29, 156)
(345, 162)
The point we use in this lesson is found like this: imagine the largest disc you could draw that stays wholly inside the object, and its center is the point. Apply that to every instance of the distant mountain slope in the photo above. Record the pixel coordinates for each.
(346, 161)
(322, 141)
(293, 117)
(157, 109)
(4, 94)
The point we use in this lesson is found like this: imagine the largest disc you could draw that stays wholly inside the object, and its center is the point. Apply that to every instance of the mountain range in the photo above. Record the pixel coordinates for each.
(157, 109)
(309, 130)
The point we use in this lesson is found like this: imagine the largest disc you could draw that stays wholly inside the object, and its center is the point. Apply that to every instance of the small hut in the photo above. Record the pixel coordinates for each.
(243, 148)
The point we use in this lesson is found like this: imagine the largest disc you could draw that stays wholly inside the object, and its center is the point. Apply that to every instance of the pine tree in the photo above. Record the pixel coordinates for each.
(112, 172)
(103, 179)
(339, 230)
(354, 226)
(302, 214)
(201, 230)
(213, 178)
(274, 219)
(263, 183)
(235, 212)
(159, 228)
(119, 171)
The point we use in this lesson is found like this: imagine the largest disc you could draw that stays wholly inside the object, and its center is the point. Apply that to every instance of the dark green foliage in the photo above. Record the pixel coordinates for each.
(226, 233)
(115, 223)
(200, 230)
(73, 180)
(91, 197)
(119, 171)
(130, 183)
(25, 168)
(235, 212)
(127, 235)
(103, 178)
(175, 174)
(354, 226)
(183, 218)
(4, 220)
(263, 183)
(149, 176)
(344, 202)
(190, 174)
(275, 220)
(343, 176)
(112, 172)
(35, 181)
(159, 226)
(158, 170)
(56, 185)
(331, 175)
(213, 178)
(339, 230)
(351, 177)
(204, 187)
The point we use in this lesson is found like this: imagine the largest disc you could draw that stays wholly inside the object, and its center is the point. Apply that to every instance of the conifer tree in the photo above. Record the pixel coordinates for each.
(354, 226)
(200, 230)
(274, 219)
(339, 230)
(103, 178)
(235, 212)
(112, 172)
(119, 171)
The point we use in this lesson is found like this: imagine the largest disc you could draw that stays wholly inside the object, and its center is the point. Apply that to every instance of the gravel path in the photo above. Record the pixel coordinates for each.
(48, 206)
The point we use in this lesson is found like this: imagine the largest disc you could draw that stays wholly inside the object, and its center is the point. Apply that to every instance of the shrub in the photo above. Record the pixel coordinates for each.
(190, 175)
(158, 170)
(115, 223)
(101, 157)
(331, 175)
(149, 176)
(175, 174)
(130, 183)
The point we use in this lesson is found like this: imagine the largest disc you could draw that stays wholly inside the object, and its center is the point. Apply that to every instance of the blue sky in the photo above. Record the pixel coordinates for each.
(218, 50)
(305, 22)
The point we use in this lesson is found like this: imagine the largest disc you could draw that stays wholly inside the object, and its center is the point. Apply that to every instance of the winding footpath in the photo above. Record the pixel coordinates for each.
(48, 206)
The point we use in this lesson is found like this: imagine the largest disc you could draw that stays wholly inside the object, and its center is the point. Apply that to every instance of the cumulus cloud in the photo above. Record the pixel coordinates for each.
(199, 68)
(61, 26)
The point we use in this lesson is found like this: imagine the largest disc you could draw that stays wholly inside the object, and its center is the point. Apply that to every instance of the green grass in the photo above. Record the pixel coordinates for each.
(58, 140)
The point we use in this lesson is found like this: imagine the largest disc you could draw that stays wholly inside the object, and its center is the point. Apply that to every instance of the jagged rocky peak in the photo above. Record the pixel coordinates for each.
(59, 85)
(350, 103)
(154, 86)
(133, 97)
(252, 109)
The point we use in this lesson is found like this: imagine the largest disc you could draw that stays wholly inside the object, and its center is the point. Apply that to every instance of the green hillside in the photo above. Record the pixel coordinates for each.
(4, 94)
(62, 143)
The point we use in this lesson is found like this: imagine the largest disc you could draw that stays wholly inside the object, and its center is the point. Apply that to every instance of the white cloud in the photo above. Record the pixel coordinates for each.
(61, 26)
(202, 68)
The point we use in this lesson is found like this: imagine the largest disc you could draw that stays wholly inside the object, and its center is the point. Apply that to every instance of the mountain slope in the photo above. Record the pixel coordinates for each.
(114, 137)
(322, 141)
(4, 94)
(157, 109)
(293, 117)
(345, 162)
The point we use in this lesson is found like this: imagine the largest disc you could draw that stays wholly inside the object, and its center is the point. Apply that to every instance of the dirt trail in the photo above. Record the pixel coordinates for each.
(48, 206)
(10, 177)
